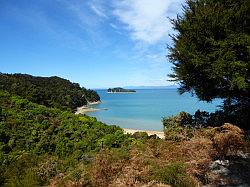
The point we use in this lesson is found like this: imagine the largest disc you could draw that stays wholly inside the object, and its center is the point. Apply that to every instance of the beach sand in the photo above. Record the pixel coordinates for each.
(85, 109)
(94, 103)
(160, 134)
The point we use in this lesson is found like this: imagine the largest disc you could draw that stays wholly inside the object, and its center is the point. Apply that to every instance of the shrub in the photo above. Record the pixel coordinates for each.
(228, 140)
(115, 140)
(178, 127)
(21, 172)
(106, 167)
(46, 169)
(135, 171)
(174, 174)
(247, 138)
(181, 119)
(140, 135)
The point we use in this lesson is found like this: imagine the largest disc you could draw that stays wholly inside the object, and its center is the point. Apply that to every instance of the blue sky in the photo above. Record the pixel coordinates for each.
(96, 43)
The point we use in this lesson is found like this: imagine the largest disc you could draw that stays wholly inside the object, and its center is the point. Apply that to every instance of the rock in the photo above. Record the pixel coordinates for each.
(217, 163)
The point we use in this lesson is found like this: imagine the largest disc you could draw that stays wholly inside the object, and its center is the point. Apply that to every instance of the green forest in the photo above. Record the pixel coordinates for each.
(31, 133)
(49, 146)
(44, 143)
(49, 91)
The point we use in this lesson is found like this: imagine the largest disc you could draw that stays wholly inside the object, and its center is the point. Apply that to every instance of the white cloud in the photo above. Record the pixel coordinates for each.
(98, 11)
(147, 20)
(113, 26)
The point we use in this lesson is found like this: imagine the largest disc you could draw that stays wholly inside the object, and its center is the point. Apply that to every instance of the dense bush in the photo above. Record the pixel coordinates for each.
(42, 146)
(31, 133)
(228, 140)
(48, 91)
(202, 119)
(178, 127)
(174, 174)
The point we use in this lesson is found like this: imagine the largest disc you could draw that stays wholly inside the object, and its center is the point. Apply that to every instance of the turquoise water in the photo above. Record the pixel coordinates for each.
(145, 109)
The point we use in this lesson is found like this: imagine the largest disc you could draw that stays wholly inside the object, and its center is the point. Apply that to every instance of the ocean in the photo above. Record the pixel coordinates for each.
(146, 108)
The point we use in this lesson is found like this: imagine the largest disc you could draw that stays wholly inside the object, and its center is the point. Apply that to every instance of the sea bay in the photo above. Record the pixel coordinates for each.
(146, 108)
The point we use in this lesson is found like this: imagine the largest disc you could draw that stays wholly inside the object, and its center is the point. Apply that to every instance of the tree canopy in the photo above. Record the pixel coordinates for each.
(211, 50)
(212, 47)
(49, 91)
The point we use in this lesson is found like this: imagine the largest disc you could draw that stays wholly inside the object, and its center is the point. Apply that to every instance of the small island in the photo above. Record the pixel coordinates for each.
(120, 90)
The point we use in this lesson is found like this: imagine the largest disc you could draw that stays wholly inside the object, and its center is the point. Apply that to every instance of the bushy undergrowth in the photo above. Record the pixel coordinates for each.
(228, 140)
(201, 119)
(174, 174)
(178, 127)
(45, 141)
(49, 91)
(42, 146)
(168, 162)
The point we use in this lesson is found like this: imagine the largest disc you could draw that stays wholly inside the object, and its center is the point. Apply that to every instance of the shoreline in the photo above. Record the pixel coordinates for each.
(94, 103)
(86, 108)
(160, 134)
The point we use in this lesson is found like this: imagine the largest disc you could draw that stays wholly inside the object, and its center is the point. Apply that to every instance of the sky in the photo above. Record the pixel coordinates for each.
(97, 43)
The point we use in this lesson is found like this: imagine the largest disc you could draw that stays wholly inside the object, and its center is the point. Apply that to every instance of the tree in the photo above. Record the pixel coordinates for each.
(49, 91)
(211, 50)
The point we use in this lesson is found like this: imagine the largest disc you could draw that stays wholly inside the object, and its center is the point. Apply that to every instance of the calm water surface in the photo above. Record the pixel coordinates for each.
(145, 109)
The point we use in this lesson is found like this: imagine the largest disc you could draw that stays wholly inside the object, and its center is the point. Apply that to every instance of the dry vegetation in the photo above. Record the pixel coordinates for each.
(159, 162)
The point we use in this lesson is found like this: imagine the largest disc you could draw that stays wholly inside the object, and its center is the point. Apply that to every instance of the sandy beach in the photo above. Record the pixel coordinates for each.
(85, 109)
(160, 134)
(94, 103)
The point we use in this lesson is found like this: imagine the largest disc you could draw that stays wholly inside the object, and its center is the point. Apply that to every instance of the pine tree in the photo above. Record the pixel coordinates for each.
(211, 51)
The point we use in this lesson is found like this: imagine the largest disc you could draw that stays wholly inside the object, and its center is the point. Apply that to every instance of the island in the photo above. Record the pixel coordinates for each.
(120, 90)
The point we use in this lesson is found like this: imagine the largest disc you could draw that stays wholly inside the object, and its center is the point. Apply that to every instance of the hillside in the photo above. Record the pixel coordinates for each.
(49, 91)
(41, 146)
(32, 135)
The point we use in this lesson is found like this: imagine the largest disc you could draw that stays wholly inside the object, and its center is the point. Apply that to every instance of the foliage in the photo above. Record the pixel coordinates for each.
(228, 140)
(106, 167)
(140, 135)
(210, 53)
(48, 91)
(115, 140)
(181, 119)
(174, 174)
(47, 135)
(20, 171)
(41, 146)
(178, 127)
(203, 145)
(247, 138)
(202, 119)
